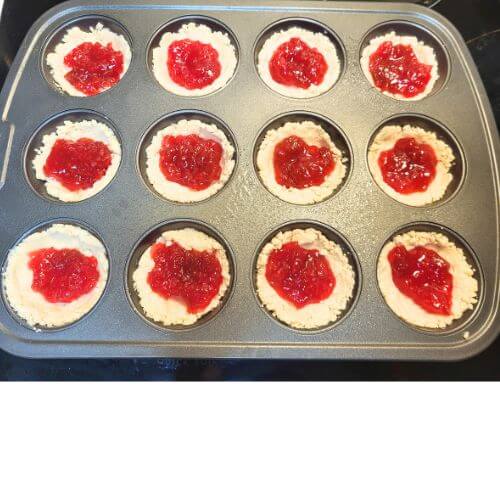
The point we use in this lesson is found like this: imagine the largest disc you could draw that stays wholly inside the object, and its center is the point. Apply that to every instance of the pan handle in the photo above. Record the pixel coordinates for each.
(6, 137)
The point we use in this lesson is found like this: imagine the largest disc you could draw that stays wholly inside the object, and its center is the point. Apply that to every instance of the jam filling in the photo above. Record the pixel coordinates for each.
(295, 64)
(94, 67)
(62, 275)
(396, 69)
(191, 161)
(77, 164)
(189, 275)
(192, 64)
(297, 165)
(299, 275)
(409, 167)
(424, 276)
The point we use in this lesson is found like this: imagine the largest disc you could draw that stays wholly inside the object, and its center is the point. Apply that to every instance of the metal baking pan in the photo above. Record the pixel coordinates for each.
(244, 213)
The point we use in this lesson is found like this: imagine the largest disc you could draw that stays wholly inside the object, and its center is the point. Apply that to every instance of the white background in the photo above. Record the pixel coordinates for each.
(249, 440)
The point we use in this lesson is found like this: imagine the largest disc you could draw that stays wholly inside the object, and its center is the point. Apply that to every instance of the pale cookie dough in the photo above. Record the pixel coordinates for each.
(424, 54)
(76, 36)
(387, 138)
(72, 131)
(313, 135)
(173, 311)
(177, 192)
(200, 33)
(314, 40)
(465, 286)
(18, 277)
(311, 315)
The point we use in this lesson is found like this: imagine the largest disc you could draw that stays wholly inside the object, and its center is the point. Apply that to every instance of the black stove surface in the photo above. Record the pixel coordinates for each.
(479, 23)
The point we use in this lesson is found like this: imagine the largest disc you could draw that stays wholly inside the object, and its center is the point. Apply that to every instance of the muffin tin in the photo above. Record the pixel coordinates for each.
(244, 215)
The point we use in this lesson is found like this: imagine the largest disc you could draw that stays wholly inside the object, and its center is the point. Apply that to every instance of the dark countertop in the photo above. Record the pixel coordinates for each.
(479, 23)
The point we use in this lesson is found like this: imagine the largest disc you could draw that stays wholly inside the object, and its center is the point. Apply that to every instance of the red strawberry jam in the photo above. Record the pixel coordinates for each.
(424, 276)
(94, 67)
(192, 64)
(297, 165)
(298, 275)
(77, 164)
(396, 69)
(190, 275)
(295, 64)
(409, 167)
(191, 161)
(62, 275)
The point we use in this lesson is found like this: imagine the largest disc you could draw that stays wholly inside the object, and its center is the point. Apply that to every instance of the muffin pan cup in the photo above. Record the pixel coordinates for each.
(244, 212)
